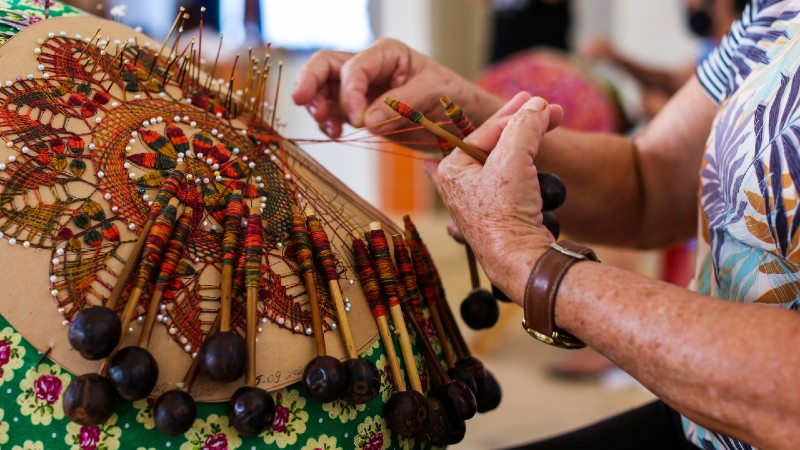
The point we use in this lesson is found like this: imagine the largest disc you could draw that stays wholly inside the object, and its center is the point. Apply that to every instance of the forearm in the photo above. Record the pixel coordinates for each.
(639, 192)
(649, 77)
(604, 192)
(728, 366)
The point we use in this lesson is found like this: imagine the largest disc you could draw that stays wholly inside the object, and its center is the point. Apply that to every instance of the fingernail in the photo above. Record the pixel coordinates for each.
(375, 115)
(328, 127)
(536, 104)
(312, 108)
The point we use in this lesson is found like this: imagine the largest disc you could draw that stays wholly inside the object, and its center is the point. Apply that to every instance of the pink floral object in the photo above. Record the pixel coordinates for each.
(280, 420)
(375, 442)
(48, 388)
(216, 442)
(90, 437)
(5, 354)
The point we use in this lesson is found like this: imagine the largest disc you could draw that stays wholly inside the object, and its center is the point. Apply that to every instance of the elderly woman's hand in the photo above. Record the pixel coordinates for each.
(498, 206)
(339, 88)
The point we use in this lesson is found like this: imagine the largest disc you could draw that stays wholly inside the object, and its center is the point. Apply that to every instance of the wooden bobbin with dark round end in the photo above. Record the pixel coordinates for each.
(96, 331)
(479, 309)
(324, 377)
(407, 410)
(456, 396)
(364, 379)
(175, 410)
(459, 374)
(252, 409)
(488, 393)
(223, 356)
(429, 296)
(132, 370)
(454, 432)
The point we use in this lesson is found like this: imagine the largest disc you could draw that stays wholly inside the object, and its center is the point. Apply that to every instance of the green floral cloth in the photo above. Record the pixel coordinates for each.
(32, 416)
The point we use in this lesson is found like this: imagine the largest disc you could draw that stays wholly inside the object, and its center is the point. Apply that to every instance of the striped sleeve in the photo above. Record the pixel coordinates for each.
(716, 72)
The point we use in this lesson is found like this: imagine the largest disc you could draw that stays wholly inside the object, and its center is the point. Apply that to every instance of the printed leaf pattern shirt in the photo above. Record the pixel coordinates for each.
(749, 244)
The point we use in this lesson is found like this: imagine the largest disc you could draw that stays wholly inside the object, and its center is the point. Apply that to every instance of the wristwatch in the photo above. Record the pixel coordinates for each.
(541, 290)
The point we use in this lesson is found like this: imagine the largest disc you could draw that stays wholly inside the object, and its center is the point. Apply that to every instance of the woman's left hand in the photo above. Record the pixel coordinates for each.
(498, 206)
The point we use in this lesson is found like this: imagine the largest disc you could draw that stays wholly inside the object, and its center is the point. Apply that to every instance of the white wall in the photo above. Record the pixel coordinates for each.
(652, 31)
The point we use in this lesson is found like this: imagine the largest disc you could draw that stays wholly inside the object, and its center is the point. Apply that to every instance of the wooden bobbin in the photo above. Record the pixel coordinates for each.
(341, 313)
(136, 254)
(225, 290)
(402, 335)
(388, 346)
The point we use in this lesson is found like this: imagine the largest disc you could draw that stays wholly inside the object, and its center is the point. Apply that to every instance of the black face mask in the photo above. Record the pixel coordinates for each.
(699, 22)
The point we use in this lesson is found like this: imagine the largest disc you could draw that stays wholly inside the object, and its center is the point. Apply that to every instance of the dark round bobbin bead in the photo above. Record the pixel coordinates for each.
(459, 400)
(325, 379)
(479, 310)
(365, 381)
(223, 357)
(406, 412)
(454, 432)
(553, 190)
(252, 410)
(174, 412)
(133, 371)
(89, 400)
(95, 332)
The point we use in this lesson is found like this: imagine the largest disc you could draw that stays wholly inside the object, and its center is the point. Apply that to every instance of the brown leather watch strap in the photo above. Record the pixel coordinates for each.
(542, 288)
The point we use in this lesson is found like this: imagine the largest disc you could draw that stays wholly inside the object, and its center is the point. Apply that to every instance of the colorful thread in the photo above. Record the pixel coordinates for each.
(170, 189)
(156, 243)
(369, 281)
(379, 247)
(232, 224)
(302, 243)
(412, 303)
(404, 110)
(322, 247)
(457, 117)
(425, 278)
(175, 249)
(253, 249)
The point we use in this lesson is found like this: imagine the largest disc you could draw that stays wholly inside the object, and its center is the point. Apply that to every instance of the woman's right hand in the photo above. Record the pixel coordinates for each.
(339, 87)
